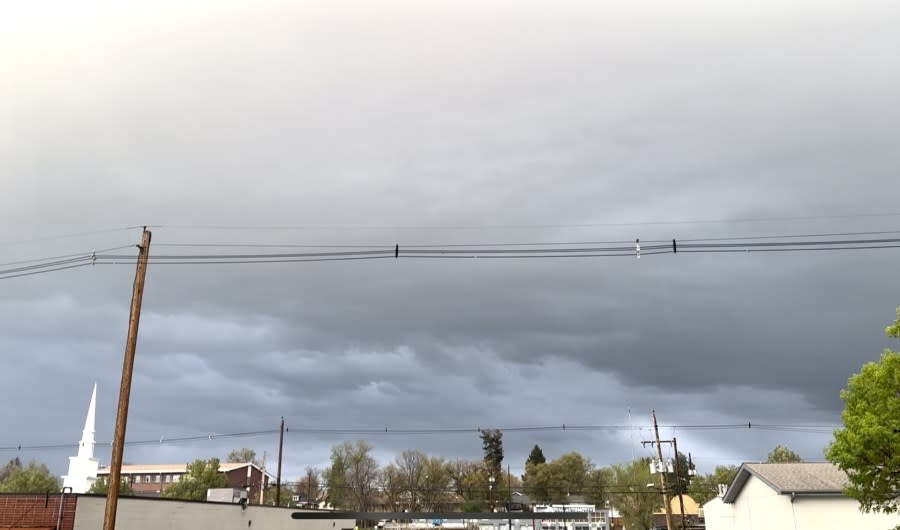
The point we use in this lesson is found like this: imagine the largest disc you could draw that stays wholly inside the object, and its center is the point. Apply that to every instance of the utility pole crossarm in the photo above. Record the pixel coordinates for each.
(662, 476)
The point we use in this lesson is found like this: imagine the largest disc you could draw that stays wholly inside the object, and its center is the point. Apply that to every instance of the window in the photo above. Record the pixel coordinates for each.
(137, 479)
(157, 479)
(147, 479)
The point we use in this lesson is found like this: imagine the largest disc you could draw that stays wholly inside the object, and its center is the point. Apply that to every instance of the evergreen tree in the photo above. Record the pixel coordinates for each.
(492, 443)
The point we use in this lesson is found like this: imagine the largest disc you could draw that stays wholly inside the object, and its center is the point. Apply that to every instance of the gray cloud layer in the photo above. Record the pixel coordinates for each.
(401, 114)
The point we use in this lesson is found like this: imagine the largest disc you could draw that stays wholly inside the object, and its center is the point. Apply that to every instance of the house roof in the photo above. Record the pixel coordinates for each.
(801, 478)
(150, 469)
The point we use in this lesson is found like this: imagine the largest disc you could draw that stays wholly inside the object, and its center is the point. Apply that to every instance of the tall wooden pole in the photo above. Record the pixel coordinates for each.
(679, 485)
(278, 478)
(662, 476)
(509, 499)
(115, 465)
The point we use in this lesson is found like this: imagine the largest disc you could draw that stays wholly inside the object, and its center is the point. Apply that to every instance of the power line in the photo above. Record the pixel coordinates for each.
(787, 243)
(524, 226)
(519, 244)
(388, 431)
(559, 251)
(68, 236)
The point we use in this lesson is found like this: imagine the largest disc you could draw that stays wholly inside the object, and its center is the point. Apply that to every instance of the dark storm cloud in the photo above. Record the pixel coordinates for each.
(450, 115)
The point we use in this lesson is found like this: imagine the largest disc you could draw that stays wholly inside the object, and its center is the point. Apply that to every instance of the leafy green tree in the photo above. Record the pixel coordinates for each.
(271, 494)
(33, 478)
(243, 455)
(360, 473)
(867, 448)
(633, 498)
(492, 444)
(101, 487)
(555, 480)
(679, 482)
(336, 481)
(469, 480)
(704, 488)
(10, 466)
(782, 455)
(569, 475)
(538, 481)
(596, 490)
(201, 475)
(436, 483)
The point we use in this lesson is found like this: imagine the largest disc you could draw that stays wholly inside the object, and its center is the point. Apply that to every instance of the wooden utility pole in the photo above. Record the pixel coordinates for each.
(662, 476)
(115, 465)
(278, 478)
(509, 499)
(679, 485)
(262, 481)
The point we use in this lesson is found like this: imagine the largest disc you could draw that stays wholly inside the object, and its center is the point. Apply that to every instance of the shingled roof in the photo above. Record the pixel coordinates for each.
(801, 478)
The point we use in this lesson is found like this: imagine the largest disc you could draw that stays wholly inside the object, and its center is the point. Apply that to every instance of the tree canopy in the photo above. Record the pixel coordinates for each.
(9, 467)
(201, 476)
(570, 474)
(33, 478)
(353, 476)
(243, 455)
(704, 488)
(633, 498)
(782, 455)
(101, 487)
(867, 448)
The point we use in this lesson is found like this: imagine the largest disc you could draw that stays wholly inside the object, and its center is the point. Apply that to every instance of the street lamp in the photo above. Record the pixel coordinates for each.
(491, 480)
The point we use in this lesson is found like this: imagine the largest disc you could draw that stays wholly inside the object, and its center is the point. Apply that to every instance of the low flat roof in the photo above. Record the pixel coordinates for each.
(150, 469)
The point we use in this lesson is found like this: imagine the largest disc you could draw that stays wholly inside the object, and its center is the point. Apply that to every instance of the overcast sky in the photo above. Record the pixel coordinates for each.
(444, 122)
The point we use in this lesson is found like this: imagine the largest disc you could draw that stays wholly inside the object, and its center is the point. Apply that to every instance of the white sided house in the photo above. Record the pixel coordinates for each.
(796, 496)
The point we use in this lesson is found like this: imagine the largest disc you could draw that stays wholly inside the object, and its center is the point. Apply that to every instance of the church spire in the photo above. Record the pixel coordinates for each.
(83, 468)
(86, 447)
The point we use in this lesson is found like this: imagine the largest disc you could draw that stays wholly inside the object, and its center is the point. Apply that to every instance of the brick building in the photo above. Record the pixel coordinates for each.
(37, 512)
(151, 480)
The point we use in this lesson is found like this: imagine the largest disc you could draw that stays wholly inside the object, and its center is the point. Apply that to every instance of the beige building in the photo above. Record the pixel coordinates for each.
(85, 512)
(799, 496)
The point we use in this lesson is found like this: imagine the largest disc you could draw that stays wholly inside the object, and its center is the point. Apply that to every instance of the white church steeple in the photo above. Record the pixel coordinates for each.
(83, 468)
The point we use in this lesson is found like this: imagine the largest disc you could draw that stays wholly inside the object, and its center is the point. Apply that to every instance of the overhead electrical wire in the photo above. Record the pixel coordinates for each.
(744, 244)
(382, 431)
(525, 226)
(31, 267)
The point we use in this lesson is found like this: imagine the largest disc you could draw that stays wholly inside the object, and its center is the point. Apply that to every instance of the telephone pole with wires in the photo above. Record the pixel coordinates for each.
(118, 446)
(662, 475)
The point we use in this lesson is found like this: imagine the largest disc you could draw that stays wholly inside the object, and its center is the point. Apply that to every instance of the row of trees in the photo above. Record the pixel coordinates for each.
(413, 481)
